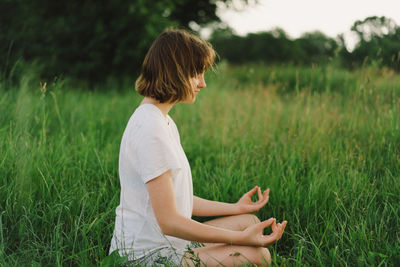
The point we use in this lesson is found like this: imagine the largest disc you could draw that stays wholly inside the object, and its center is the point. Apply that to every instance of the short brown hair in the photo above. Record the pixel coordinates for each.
(174, 57)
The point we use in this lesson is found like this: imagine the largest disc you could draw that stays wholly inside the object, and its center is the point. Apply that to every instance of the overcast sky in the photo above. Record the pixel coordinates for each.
(299, 16)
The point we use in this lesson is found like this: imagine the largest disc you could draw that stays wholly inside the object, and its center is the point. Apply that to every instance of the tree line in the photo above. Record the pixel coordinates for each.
(378, 43)
(92, 40)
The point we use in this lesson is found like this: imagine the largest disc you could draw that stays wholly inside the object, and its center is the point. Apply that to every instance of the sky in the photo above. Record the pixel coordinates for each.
(296, 17)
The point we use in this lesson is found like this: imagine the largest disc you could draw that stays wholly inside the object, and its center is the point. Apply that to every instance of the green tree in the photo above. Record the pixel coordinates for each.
(85, 39)
(274, 46)
(316, 47)
(379, 43)
(91, 39)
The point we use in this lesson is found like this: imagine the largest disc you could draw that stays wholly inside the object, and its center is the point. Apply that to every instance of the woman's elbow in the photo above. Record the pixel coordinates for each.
(165, 228)
(168, 225)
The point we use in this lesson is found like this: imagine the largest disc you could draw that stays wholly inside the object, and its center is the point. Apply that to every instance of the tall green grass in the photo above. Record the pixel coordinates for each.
(325, 140)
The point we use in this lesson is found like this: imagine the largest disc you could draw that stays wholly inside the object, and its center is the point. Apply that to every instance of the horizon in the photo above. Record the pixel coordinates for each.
(314, 15)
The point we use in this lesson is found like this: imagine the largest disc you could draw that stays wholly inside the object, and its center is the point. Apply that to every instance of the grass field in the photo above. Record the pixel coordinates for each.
(326, 141)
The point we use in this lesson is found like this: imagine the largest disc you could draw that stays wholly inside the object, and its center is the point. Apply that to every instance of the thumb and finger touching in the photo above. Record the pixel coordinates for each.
(260, 197)
(252, 191)
(277, 228)
(264, 224)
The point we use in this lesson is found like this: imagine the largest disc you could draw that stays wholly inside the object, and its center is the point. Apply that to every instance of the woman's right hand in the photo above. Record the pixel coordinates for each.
(254, 236)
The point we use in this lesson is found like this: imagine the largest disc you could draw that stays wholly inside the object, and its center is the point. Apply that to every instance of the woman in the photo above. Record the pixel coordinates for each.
(153, 221)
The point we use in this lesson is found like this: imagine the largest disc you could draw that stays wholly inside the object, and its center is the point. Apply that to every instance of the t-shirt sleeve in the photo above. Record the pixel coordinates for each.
(155, 152)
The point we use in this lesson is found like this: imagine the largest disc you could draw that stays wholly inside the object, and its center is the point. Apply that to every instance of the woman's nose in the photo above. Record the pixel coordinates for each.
(201, 83)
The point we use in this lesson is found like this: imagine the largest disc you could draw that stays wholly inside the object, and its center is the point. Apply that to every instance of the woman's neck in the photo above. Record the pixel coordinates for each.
(164, 107)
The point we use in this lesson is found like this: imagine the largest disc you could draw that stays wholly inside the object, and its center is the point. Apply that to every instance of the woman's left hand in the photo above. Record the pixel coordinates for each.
(246, 205)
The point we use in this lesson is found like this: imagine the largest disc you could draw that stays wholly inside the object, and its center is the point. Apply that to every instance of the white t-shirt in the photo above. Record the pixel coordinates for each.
(150, 146)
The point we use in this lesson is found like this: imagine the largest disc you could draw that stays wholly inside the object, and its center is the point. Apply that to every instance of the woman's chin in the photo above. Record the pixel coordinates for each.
(190, 101)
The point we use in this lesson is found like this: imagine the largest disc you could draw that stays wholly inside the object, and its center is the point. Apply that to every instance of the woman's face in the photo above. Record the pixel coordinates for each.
(198, 83)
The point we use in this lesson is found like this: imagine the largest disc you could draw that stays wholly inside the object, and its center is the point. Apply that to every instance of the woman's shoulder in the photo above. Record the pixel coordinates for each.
(147, 118)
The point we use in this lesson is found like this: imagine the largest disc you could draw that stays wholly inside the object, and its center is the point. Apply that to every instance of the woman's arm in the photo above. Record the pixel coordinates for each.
(203, 207)
(173, 223)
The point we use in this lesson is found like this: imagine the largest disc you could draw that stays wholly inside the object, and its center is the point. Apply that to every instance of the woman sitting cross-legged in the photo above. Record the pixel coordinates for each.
(153, 224)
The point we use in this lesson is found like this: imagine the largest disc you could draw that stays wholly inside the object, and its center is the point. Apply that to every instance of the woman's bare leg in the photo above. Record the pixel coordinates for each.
(228, 255)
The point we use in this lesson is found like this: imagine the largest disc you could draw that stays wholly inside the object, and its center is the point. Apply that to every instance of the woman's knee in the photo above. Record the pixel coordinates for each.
(266, 255)
(248, 220)
(254, 219)
(262, 257)
(259, 256)
(226, 255)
